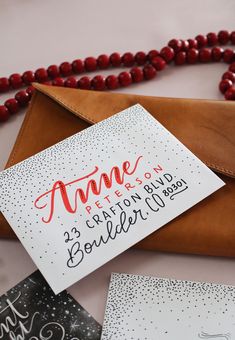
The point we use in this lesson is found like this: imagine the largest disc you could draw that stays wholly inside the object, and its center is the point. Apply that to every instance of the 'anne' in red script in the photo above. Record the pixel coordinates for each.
(83, 195)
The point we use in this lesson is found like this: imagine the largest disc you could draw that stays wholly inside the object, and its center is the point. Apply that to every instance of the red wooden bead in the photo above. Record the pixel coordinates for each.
(223, 37)
(212, 39)
(205, 55)
(115, 59)
(180, 58)
(176, 44)
(232, 67)
(98, 83)
(125, 78)
(15, 80)
(230, 94)
(4, 84)
(4, 113)
(179, 50)
(224, 85)
(30, 90)
(70, 82)
(192, 56)
(185, 45)
(217, 53)
(167, 53)
(201, 40)
(228, 56)
(84, 83)
(112, 82)
(137, 74)
(159, 63)
(90, 64)
(12, 105)
(28, 77)
(65, 68)
(229, 75)
(152, 54)
(41, 75)
(103, 61)
(193, 43)
(78, 66)
(22, 97)
(140, 58)
(149, 72)
(53, 71)
(232, 37)
(128, 59)
(58, 81)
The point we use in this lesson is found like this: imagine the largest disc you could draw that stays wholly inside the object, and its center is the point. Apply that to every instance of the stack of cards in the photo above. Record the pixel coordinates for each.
(83, 201)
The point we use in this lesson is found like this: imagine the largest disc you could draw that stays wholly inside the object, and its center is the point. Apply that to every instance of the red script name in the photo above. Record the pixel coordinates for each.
(80, 194)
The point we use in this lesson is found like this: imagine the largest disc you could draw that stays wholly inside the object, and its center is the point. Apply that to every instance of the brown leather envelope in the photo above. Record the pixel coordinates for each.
(206, 127)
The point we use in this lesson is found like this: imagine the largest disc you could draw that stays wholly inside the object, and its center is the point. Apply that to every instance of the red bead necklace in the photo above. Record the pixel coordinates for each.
(201, 49)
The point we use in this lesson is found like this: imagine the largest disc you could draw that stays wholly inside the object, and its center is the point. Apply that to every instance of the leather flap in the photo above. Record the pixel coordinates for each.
(206, 127)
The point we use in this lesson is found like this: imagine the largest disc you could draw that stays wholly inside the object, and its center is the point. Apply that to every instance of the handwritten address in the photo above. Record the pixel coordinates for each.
(155, 201)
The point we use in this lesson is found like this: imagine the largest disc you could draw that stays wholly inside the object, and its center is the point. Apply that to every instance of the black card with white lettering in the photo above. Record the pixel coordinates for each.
(31, 311)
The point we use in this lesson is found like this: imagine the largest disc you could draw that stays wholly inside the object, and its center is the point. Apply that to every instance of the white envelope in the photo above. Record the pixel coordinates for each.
(83, 201)
(144, 307)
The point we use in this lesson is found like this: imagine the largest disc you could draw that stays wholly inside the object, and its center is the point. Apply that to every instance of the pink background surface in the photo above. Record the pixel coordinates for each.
(39, 33)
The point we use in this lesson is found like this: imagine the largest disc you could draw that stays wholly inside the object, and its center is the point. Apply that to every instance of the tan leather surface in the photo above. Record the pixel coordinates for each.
(202, 125)
(206, 127)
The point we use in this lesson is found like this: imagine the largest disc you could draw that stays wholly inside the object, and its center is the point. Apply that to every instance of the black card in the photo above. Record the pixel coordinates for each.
(31, 311)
